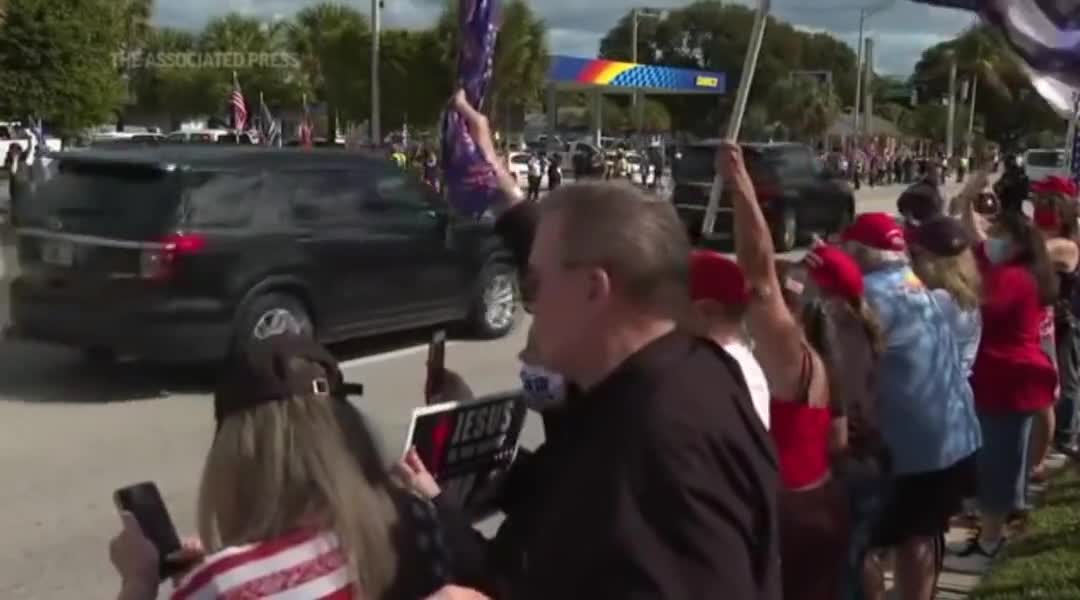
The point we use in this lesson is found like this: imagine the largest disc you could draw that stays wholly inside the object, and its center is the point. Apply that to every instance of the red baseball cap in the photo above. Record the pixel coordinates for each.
(1055, 185)
(713, 276)
(876, 230)
(836, 273)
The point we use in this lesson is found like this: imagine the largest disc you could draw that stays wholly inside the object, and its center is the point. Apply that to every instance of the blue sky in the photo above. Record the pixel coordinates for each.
(901, 31)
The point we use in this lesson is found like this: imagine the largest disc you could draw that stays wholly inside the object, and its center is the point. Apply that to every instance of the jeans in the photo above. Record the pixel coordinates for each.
(1068, 406)
(1002, 462)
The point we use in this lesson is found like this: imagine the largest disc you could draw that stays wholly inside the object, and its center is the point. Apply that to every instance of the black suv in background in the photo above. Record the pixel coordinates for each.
(796, 194)
(179, 253)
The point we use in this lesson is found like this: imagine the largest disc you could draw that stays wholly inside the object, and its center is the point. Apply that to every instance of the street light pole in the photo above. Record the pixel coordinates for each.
(376, 109)
(858, 79)
(950, 132)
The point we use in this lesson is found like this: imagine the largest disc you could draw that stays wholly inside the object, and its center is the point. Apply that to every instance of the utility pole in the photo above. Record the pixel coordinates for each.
(951, 126)
(858, 78)
(867, 87)
(376, 109)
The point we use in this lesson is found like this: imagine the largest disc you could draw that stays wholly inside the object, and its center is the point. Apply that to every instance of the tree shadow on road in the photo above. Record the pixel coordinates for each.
(40, 373)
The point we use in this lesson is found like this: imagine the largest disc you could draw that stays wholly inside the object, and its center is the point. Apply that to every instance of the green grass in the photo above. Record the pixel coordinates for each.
(1044, 562)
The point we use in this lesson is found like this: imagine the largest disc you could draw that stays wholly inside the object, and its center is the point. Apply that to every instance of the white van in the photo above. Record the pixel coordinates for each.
(1041, 163)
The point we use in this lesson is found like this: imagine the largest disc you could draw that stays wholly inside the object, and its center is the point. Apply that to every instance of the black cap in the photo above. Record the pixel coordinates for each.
(262, 374)
(943, 236)
(921, 202)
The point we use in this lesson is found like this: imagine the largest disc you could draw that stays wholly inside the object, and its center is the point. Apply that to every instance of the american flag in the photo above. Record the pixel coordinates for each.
(239, 107)
(1045, 34)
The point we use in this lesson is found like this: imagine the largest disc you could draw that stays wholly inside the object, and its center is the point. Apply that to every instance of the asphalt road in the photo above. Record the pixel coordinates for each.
(70, 434)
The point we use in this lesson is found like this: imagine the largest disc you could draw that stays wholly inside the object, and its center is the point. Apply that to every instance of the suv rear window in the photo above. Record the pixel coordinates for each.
(1046, 160)
(126, 202)
(696, 165)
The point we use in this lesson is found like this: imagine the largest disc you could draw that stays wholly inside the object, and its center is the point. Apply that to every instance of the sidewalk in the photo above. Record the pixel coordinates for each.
(959, 585)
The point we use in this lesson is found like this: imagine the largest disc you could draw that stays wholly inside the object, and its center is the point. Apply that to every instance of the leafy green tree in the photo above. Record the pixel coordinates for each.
(1005, 100)
(58, 62)
(317, 36)
(804, 107)
(171, 88)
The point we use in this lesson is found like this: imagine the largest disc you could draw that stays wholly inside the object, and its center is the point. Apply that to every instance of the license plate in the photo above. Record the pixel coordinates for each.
(58, 253)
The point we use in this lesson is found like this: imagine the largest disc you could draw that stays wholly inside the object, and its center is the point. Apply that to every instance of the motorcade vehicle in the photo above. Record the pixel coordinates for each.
(187, 252)
(797, 195)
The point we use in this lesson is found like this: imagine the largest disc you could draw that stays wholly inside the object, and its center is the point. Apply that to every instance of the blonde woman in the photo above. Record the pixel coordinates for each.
(943, 258)
(294, 499)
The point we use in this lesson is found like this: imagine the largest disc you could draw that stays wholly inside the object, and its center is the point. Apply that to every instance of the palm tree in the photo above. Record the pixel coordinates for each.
(980, 58)
(314, 33)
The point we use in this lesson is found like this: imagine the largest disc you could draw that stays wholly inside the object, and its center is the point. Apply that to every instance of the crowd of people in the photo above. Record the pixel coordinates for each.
(757, 428)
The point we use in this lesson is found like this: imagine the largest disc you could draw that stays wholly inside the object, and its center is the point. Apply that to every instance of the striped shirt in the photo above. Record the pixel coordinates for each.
(301, 565)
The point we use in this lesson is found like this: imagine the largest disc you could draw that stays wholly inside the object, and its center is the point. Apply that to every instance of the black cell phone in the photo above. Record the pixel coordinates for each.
(144, 501)
(436, 364)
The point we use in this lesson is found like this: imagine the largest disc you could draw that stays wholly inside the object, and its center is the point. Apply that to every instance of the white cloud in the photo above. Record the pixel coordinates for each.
(576, 26)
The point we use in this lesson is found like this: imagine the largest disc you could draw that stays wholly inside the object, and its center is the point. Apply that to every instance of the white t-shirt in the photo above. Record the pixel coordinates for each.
(754, 376)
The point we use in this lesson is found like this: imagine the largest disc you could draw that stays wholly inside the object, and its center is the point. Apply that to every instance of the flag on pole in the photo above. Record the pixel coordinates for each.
(470, 180)
(239, 107)
(1044, 34)
(270, 130)
(305, 132)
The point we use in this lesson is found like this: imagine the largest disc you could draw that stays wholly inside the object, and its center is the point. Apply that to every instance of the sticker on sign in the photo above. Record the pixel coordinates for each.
(58, 253)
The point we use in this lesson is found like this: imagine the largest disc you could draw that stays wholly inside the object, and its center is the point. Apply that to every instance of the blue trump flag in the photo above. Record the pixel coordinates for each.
(470, 180)
(1045, 34)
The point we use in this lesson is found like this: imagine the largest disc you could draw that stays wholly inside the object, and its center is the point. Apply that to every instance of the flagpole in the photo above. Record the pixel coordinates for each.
(1072, 146)
(742, 96)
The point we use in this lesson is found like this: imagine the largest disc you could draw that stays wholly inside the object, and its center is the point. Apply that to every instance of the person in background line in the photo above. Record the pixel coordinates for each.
(555, 172)
(927, 416)
(721, 298)
(1014, 376)
(788, 324)
(1013, 187)
(661, 481)
(535, 173)
(864, 463)
(1055, 215)
(294, 498)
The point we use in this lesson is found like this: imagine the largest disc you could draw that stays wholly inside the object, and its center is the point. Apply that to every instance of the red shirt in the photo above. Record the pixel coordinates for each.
(1012, 371)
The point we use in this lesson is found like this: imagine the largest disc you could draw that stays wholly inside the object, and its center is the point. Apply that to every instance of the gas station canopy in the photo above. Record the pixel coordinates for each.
(571, 72)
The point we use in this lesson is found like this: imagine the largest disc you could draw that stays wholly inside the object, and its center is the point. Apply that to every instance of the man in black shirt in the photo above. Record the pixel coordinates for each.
(661, 480)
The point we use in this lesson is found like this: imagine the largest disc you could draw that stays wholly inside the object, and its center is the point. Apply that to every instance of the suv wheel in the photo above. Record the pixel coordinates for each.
(495, 307)
(272, 314)
(786, 231)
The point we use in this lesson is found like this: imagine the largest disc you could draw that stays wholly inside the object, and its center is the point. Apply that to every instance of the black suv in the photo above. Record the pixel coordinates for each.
(180, 253)
(798, 196)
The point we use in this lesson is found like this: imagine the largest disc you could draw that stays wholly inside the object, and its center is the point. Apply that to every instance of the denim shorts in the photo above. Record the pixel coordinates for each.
(1002, 462)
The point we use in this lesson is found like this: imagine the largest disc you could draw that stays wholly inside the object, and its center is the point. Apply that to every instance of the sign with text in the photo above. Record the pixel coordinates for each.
(467, 445)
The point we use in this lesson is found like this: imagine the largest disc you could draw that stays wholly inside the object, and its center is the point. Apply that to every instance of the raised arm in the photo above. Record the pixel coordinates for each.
(779, 343)
(963, 205)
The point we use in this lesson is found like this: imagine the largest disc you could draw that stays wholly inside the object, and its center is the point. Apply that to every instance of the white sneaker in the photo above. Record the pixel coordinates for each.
(975, 558)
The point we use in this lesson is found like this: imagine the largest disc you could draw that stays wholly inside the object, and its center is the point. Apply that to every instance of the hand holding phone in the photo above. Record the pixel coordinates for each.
(436, 367)
(144, 503)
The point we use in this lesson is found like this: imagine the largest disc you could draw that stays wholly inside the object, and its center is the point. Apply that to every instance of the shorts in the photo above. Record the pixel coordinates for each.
(921, 504)
(1002, 462)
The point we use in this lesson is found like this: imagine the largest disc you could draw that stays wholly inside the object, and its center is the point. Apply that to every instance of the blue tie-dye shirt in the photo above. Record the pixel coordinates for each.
(925, 401)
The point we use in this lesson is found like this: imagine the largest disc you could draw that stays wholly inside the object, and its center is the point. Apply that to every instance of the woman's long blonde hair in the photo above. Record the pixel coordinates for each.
(958, 275)
(302, 462)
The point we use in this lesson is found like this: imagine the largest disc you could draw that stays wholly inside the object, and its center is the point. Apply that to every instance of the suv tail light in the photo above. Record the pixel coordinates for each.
(158, 263)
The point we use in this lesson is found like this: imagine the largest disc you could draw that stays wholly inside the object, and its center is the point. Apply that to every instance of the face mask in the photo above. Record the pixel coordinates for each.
(1046, 219)
(998, 250)
(541, 388)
